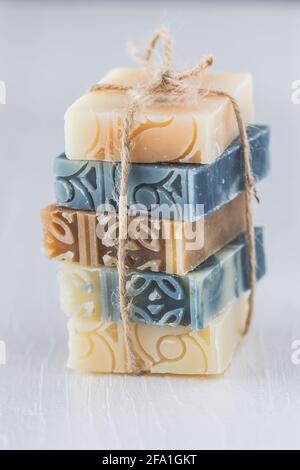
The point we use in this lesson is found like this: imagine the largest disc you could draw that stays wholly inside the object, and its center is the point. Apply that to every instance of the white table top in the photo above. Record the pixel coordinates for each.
(49, 54)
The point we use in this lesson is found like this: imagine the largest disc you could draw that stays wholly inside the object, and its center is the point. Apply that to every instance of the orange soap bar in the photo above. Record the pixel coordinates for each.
(174, 247)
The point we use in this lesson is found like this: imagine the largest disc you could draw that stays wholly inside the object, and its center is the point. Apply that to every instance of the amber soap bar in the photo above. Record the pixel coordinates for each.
(97, 346)
(174, 247)
(197, 132)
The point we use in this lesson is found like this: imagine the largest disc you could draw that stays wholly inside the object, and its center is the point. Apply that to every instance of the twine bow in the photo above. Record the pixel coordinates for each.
(168, 86)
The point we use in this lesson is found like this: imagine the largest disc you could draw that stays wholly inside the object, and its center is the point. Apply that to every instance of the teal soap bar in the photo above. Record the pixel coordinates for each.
(89, 184)
(191, 300)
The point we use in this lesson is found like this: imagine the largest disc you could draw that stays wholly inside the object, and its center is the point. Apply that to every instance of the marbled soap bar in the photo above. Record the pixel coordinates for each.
(195, 132)
(88, 185)
(98, 346)
(162, 299)
(174, 247)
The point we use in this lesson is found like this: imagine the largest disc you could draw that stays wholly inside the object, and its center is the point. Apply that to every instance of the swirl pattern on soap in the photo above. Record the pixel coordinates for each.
(158, 301)
(172, 138)
(83, 183)
(91, 239)
(99, 347)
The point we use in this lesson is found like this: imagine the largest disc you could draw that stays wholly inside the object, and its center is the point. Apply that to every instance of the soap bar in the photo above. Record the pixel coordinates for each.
(88, 185)
(98, 346)
(162, 299)
(168, 246)
(195, 132)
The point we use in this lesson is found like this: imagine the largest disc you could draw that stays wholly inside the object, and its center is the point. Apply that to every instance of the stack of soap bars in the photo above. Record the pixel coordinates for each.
(188, 279)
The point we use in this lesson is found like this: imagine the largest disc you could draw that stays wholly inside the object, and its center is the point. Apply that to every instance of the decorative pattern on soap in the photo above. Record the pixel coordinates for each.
(190, 132)
(88, 185)
(98, 346)
(157, 245)
(161, 299)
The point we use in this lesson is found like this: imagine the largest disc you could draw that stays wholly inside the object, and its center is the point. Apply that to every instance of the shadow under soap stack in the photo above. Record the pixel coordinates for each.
(186, 249)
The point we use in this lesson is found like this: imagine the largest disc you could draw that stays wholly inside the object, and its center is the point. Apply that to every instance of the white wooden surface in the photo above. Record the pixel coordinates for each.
(51, 52)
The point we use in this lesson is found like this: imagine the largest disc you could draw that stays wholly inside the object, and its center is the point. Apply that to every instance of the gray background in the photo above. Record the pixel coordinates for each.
(50, 52)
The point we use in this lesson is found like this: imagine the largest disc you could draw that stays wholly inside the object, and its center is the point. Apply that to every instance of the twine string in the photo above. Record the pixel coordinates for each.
(132, 358)
(167, 87)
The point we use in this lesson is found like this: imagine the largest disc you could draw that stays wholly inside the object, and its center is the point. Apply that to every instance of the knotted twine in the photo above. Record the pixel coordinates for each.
(168, 86)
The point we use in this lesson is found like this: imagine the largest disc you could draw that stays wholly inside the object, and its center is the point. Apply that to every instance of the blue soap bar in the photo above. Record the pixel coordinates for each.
(89, 184)
(192, 300)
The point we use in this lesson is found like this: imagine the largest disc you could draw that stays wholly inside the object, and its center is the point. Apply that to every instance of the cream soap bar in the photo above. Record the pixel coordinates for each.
(170, 246)
(98, 346)
(162, 299)
(163, 132)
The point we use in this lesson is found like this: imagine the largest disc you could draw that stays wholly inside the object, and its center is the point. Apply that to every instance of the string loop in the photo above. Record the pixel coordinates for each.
(170, 86)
